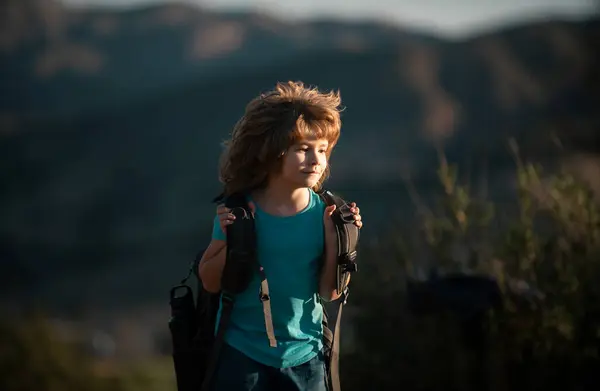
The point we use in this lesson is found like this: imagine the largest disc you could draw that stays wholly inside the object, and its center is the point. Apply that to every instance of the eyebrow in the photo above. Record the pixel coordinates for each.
(322, 144)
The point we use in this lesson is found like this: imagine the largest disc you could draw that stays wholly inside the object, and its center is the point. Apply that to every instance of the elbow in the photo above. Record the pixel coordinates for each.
(329, 295)
(208, 284)
(334, 295)
(211, 265)
(211, 288)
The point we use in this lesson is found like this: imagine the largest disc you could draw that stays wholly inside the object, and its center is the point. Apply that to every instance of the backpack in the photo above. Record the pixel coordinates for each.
(196, 348)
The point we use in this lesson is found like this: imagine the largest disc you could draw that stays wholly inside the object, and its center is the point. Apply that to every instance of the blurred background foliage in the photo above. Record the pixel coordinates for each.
(471, 154)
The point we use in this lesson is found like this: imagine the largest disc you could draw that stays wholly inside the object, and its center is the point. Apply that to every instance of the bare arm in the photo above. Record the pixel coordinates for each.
(328, 281)
(211, 265)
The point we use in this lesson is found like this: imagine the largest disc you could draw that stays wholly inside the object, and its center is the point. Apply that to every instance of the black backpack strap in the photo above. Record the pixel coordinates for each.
(242, 259)
(240, 265)
(238, 257)
(347, 234)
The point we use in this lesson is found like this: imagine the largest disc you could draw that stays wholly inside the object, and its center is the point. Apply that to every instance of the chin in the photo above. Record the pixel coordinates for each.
(305, 181)
(312, 183)
(308, 183)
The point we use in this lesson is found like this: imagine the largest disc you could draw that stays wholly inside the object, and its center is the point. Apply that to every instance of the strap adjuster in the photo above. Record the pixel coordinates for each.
(349, 267)
(349, 257)
(263, 297)
(344, 295)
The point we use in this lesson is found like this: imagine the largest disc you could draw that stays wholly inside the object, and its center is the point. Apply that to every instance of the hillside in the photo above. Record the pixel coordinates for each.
(111, 123)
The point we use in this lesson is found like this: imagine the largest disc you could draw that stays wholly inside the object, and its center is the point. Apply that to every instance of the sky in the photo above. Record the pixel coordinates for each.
(452, 18)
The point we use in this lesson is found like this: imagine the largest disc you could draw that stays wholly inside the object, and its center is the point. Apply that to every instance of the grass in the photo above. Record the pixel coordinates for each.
(34, 356)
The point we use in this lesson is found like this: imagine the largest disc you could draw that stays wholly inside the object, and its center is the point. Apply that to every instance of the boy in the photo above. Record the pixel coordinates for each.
(278, 157)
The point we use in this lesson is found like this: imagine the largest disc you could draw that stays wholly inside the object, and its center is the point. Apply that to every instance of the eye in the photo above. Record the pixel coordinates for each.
(322, 150)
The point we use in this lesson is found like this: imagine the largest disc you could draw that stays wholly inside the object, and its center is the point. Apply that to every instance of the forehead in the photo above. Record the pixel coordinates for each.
(312, 141)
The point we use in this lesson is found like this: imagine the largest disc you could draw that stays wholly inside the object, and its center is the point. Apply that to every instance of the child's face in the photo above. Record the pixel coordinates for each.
(305, 162)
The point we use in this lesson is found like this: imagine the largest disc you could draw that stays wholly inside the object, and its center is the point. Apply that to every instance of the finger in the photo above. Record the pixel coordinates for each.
(358, 223)
(329, 210)
(355, 210)
(226, 216)
(223, 209)
(224, 224)
(357, 217)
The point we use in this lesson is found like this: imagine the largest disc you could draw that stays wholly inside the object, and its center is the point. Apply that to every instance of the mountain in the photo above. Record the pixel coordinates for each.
(111, 121)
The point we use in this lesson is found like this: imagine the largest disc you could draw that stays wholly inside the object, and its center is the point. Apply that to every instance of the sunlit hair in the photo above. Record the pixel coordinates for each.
(272, 122)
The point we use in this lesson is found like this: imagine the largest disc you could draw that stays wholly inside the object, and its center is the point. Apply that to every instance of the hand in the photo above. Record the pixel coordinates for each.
(330, 232)
(226, 217)
(328, 221)
(356, 212)
(329, 227)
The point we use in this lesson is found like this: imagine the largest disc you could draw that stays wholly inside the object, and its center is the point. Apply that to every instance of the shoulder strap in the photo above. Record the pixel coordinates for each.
(237, 273)
(347, 235)
(240, 265)
(241, 259)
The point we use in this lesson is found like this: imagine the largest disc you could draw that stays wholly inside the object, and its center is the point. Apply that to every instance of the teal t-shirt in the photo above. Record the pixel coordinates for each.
(289, 249)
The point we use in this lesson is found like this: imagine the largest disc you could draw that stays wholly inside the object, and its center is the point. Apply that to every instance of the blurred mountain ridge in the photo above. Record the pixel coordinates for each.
(111, 125)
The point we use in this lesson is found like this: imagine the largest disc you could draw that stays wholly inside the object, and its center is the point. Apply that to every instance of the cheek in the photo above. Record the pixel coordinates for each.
(291, 161)
(323, 159)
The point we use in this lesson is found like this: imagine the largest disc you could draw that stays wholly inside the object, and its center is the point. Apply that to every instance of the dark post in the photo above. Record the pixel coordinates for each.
(468, 296)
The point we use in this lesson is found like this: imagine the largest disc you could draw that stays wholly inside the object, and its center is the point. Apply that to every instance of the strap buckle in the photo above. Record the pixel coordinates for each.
(350, 257)
(263, 297)
(348, 262)
(345, 295)
(349, 267)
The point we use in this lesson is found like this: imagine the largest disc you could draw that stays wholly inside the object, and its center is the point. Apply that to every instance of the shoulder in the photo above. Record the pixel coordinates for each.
(327, 197)
(317, 201)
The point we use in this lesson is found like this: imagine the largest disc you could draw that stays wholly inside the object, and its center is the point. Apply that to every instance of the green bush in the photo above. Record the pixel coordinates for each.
(544, 252)
(34, 357)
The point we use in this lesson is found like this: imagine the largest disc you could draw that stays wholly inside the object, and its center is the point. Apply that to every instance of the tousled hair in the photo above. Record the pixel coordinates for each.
(271, 123)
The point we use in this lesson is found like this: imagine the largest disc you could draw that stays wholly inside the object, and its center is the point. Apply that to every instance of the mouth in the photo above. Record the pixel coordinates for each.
(310, 172)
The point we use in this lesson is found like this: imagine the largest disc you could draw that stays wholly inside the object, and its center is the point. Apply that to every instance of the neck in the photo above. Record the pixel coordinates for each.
(279, 199)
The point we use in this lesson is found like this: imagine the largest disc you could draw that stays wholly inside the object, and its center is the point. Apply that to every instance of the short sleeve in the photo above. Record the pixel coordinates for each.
(217, 233)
